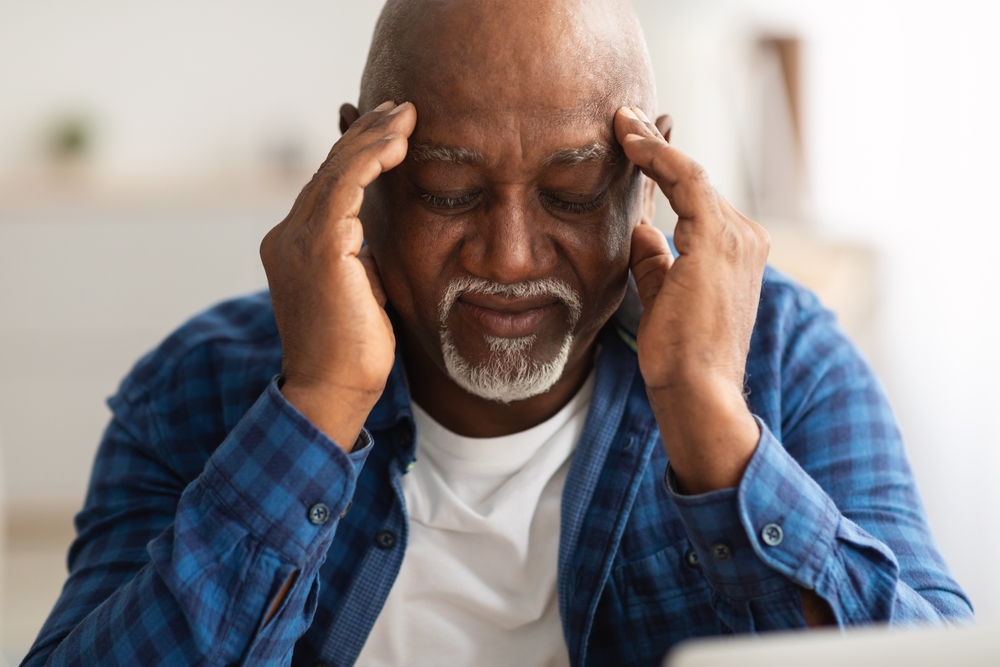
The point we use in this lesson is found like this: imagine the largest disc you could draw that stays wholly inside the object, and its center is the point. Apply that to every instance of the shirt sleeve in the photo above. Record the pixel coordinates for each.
(830, 505)
(163, 573)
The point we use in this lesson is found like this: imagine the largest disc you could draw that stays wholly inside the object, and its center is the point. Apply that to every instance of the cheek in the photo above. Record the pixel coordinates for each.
(625, 213)
(411, 255)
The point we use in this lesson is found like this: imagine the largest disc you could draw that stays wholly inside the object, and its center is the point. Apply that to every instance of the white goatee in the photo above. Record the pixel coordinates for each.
(510, 374)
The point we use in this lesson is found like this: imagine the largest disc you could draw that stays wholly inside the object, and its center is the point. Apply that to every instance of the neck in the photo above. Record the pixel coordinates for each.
(474, 417)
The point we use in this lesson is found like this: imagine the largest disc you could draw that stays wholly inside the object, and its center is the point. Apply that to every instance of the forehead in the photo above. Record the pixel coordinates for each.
(537, 77)
(524, 116)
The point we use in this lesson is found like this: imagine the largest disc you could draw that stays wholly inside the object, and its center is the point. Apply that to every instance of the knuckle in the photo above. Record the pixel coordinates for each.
(303, 243)
(763, 239)
(695, 173)
(731, 241)
(267, 249)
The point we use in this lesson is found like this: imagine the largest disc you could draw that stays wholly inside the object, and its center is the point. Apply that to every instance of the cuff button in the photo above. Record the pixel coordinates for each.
(385, 539)
(721, 552)
(319, 514)
(772, 535)
(691, 558)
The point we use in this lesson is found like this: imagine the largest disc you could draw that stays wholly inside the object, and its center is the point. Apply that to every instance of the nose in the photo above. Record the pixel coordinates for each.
(510, 244)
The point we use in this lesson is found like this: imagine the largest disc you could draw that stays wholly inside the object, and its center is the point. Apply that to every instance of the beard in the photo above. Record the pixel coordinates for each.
(511, 372)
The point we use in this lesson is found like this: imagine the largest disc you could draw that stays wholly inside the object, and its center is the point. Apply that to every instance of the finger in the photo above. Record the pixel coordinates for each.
(650, 125)
(681, 179)
(312, 186)
(363, 123)
(340, 201)
(369, 129)
(401, 119)
(374, 277)
(650, 260)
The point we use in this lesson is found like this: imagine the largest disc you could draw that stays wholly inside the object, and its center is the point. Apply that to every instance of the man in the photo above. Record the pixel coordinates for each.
(451, 445)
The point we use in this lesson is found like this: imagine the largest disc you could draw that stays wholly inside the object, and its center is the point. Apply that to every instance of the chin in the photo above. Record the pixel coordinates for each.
(509, 369)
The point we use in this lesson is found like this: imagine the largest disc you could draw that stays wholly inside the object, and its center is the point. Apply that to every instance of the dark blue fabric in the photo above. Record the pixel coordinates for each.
(198, 509)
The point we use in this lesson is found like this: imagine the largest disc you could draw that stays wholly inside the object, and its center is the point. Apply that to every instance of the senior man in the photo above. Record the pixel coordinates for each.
(461, 443)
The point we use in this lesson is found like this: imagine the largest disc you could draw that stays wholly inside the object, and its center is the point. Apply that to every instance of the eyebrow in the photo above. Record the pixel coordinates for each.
(424, 152)
(598, 152)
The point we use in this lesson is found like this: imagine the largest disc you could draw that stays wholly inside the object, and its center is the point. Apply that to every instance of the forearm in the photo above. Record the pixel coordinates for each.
(202, 590)
(708, 432)
(759, 572)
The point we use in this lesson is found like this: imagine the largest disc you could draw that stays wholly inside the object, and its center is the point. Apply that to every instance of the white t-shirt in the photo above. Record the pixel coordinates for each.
(478, 581)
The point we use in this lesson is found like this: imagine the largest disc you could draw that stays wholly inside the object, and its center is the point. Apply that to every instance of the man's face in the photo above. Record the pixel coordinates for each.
(503, 239)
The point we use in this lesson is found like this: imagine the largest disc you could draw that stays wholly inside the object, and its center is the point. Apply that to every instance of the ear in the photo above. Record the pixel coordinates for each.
(348, 114)
(648, 200)
(664, 124)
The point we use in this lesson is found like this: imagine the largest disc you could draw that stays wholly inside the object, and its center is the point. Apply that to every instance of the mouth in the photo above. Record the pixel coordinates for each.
(506, 317)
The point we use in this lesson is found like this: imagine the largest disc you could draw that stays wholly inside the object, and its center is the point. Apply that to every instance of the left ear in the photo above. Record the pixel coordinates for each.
(664, 124)
(348, 114)
(648, 200)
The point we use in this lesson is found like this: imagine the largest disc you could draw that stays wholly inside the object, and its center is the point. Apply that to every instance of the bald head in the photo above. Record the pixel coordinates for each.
(520, 52)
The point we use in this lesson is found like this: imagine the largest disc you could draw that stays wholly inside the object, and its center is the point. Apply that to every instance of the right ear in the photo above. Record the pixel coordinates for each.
(664, 124)
(348, 114)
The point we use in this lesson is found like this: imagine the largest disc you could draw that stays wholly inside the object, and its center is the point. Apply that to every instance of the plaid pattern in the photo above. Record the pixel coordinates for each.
(198, 510)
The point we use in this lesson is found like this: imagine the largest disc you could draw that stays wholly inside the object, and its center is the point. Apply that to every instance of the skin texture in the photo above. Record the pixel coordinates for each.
(516, 85)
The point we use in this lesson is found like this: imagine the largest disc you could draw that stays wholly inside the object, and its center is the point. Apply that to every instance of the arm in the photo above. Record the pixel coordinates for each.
(833, 476)
(230, 573)
(838, 554)
(165, 574)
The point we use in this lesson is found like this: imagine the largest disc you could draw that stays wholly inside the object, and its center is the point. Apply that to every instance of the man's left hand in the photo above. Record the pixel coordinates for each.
(700, 309)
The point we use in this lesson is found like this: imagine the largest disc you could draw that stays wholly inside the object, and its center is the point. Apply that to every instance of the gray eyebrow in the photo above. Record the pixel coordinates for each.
(571, 156)
(424, 152)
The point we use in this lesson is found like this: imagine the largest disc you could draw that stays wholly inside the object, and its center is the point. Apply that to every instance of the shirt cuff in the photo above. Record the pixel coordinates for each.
(284, 478)
(777, 525)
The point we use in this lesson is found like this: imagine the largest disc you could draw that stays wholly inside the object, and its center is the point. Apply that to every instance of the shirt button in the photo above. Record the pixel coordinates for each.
(721, 552)
(346, 509)
(318, 514)
(772, 535)
(385, 539)
(691, 558)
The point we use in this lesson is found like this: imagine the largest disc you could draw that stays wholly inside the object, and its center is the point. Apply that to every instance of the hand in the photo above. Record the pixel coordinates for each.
(337, 344)
(699, 314)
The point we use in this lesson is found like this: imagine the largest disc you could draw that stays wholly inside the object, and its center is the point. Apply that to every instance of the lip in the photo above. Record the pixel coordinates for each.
(505, 317)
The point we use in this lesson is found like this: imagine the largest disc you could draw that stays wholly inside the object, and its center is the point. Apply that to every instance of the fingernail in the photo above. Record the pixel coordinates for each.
(385, 105)
(397, 109)
(628, 112)
(641, 114)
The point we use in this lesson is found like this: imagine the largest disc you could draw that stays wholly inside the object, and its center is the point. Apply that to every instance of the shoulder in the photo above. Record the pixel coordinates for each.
(791, 322)
(784, 299)
(800, 357)
(233, 338)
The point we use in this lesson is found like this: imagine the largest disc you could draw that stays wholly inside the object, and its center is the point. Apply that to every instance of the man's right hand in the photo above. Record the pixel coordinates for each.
(337, 343)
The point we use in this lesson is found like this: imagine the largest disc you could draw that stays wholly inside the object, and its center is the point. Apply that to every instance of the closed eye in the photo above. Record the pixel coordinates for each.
(574, 206)
(450, 203)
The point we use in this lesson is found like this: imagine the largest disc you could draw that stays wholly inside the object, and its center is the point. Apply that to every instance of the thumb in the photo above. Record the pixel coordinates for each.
(650, 261)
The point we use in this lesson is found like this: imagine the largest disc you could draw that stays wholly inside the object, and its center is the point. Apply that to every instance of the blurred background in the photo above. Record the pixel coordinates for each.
(145, 149)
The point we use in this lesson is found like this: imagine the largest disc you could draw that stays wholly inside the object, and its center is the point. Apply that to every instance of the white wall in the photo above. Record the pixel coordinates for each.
(901, 137)
(180, 87)
(901, 102)
(905, 144)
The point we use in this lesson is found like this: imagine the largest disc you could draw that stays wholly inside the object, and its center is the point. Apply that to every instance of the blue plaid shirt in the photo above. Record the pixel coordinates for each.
(210, 490)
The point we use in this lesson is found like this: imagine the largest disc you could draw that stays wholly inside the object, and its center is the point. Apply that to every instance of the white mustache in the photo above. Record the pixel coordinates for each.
(527, 289)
